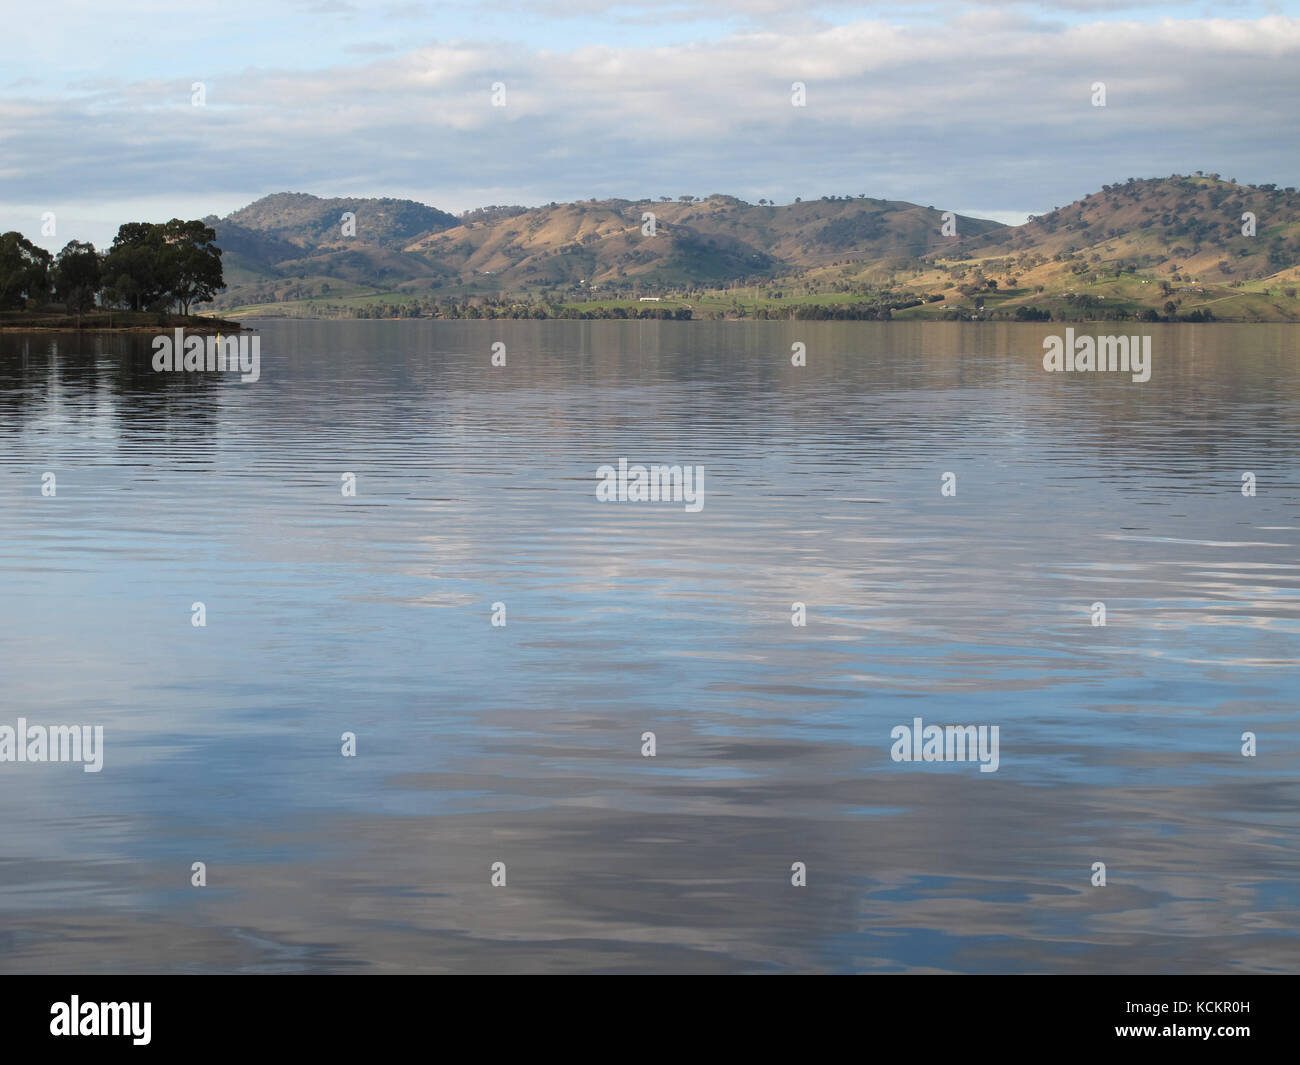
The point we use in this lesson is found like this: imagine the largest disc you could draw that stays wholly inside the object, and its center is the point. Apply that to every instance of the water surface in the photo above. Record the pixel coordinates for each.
(522, 744)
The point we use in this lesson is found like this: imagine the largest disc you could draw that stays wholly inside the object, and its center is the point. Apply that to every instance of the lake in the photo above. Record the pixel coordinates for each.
(919, 523)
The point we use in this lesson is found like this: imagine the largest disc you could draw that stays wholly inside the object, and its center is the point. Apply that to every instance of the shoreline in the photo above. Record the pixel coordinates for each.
(64, 325)
(221, 325)
(1118, 322)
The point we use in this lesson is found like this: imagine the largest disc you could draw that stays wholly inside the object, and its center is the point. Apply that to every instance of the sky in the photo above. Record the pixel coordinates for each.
(983, 107)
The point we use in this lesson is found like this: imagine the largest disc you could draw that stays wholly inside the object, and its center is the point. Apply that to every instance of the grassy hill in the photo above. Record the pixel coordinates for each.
(1146, 243)
(1171, 246)
(271, 246)
(297, 219)
(719, 239)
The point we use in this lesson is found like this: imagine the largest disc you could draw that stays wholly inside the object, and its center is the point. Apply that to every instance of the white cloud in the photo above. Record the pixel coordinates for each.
(992, 109)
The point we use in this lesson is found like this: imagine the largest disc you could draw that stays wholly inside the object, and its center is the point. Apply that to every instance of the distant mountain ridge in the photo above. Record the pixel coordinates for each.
(717, 239)
(1196, 222)
(309, 221)
(291, 247)
(711, 240)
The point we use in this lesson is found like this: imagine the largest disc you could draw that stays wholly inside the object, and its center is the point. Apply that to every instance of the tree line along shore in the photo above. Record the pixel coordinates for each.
(153, 274)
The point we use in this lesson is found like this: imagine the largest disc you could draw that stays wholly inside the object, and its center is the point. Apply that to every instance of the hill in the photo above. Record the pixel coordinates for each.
(305, 221)
(290, 235)
(1148, 244)
(715, 240)
(1167, 246)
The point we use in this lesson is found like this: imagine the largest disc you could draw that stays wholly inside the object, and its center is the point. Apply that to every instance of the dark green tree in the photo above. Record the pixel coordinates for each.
(191, 263)
(24, 271)
(132, 271)
(76, 276)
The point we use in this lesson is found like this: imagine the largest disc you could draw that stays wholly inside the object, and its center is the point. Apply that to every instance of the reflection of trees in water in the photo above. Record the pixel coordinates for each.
(93, 375)
(874, 387)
